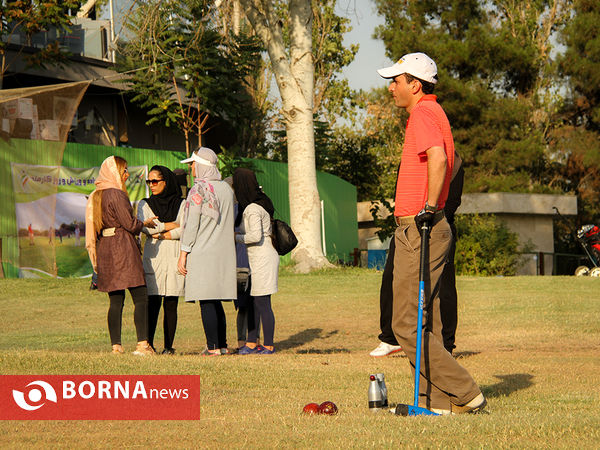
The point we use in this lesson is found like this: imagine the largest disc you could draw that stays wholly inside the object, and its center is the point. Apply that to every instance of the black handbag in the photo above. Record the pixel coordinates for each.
(283, 238)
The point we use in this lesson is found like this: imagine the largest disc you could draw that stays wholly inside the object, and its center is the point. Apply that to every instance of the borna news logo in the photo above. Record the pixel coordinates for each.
(100, 397)
(35, 396)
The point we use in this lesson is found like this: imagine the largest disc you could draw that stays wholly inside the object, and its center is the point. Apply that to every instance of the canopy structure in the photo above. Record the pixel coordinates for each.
(43, 114)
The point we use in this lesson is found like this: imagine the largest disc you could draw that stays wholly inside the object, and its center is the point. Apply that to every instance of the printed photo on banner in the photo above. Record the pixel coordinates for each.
(50, 206)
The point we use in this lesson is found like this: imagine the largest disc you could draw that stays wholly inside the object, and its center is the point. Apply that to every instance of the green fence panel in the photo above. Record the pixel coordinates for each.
(339, 206)
(339, 210)
(339, 196)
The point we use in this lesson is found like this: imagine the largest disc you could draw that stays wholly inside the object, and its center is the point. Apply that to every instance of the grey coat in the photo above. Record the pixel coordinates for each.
(211, 260)
(160, 256)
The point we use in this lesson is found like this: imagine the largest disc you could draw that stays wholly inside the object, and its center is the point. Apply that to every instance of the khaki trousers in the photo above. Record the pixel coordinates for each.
(443, 381)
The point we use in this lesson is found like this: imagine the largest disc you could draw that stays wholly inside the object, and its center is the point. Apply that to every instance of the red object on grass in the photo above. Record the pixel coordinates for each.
(311, 408)
(328, 408)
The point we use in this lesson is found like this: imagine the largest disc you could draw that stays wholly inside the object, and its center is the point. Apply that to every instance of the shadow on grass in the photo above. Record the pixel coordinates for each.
(322, 351)
(508, 384)
(303, 337)
(465, 354)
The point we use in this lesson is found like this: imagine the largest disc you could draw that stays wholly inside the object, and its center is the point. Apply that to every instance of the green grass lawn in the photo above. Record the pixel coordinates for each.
(532, 343)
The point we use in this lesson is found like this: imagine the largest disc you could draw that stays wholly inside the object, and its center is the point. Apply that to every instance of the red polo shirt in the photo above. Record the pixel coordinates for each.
(427, 127)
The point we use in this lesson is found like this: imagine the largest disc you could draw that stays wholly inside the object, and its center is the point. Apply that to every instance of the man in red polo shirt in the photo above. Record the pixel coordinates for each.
(421, 193)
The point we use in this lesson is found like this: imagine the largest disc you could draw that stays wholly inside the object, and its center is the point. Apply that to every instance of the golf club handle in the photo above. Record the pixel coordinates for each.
(424, 247)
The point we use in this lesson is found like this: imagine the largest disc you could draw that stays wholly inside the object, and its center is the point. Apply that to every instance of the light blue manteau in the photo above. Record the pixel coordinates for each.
(211, 263)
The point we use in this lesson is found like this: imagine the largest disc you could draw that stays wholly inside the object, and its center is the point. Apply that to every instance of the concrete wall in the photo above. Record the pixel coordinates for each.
(529, 215)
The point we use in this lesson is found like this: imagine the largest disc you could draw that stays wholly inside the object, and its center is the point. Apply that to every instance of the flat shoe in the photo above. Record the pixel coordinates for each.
(265, 351)
(144, 350)
(117, 350)
(245, 350)
(207, 352)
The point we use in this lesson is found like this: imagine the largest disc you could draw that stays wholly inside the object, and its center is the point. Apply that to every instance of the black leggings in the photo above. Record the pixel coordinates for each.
(243, 318)
(169, 318)
(140, 313)
(262, 313)
(215, 324)
(245, 311)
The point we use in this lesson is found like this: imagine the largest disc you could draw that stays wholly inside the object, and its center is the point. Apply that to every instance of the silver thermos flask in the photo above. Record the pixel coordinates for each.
(375, 395)
(381, 380)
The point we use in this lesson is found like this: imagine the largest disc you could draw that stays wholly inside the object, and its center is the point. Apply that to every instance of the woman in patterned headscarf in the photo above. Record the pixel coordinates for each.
(110, 230)
(207, 256)
(161, 251)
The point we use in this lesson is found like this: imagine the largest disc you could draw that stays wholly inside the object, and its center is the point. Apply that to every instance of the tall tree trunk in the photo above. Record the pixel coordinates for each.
(294, 76)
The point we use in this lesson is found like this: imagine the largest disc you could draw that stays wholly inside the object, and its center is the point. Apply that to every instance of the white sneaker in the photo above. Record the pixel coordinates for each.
(384, 349)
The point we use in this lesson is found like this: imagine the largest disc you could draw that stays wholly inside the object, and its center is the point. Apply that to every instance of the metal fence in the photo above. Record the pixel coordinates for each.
(562, 263)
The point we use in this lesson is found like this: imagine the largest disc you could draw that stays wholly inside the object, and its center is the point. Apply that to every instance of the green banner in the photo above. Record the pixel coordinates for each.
(50, 206)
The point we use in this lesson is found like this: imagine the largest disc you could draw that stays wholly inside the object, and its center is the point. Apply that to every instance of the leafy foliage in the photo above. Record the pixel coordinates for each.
(229, 160)
(494, 64)
(485, 246)
(31, 17)
(525, 113)
(350, 156)
(191, 70)
(333, 99)
(382, 212)
(576, 142)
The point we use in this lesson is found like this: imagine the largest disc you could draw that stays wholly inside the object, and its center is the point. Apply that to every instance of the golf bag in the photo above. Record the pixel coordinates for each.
(589, 238)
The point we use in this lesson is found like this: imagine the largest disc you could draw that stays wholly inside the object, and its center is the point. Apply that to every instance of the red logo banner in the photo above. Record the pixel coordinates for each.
(99, 397)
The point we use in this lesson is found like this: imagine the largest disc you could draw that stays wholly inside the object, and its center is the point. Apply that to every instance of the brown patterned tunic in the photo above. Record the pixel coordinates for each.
(119, 258)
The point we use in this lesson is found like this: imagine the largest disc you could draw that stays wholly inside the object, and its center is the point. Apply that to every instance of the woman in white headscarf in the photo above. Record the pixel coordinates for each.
(207, 256)
(110, 230)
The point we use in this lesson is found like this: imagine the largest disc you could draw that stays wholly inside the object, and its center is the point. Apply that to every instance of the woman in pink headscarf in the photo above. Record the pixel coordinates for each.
(110, 229)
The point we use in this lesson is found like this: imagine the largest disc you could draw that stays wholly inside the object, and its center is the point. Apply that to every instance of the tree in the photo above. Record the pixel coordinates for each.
(188, 73)
(350, 155)
(25, 18)
(293, 68)
(577, 140)
(252, 124)
(332, 98)
(498, 80)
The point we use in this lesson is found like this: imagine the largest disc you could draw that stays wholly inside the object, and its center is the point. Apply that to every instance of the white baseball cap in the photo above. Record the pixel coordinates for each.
(416, 64)
(195, 158)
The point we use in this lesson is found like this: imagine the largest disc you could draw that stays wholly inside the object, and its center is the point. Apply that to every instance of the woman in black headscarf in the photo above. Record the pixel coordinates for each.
(161, 251)
(255, 211)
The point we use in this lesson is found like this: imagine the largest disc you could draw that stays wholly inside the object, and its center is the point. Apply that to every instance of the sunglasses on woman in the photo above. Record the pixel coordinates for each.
(153, 182)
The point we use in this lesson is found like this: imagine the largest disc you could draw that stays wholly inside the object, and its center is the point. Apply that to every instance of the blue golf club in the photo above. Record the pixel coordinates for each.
(416, 410)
